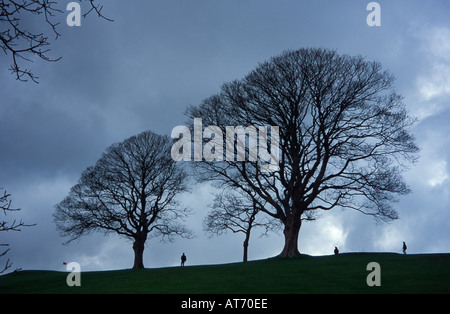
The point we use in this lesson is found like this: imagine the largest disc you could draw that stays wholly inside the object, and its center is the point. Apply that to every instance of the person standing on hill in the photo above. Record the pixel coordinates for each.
(404, 248)
(183, 259)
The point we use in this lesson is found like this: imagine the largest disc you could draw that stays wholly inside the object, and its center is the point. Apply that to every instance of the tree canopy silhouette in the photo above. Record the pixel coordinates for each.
(5, 208)
(344, 137)
(132, 191)
(237, 212)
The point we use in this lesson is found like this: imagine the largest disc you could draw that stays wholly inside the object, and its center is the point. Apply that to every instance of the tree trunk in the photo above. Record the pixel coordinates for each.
(245, 252)
(247, 236)
(291, 231)
(138, 248)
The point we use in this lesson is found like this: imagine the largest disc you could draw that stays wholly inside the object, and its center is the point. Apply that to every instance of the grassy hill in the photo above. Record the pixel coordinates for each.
(345, 273)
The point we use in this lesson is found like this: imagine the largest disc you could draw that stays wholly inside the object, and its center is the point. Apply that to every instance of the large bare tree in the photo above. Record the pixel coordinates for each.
(132, 191)
(344, 137)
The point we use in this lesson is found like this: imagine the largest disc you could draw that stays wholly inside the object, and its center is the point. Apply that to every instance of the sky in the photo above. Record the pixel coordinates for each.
(140, 72)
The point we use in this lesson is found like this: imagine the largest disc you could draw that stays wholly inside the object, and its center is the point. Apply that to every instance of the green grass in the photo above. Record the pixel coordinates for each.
(345, 273)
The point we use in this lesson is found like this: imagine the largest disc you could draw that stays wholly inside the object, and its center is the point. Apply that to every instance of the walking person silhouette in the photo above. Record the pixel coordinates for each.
(183, 259)
(404, 248)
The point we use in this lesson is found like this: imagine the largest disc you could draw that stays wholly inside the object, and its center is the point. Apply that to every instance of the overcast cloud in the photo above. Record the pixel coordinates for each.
(141, 71)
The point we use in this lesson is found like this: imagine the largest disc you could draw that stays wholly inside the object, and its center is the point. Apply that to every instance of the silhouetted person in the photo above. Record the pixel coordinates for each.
(404, 248)
(336, 251)
(183, 259)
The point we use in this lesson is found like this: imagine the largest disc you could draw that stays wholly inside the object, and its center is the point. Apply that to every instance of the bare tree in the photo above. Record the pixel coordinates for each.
(5, 207)
(23, 44)
(132, 191)
(343, 141)
(238, 213)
